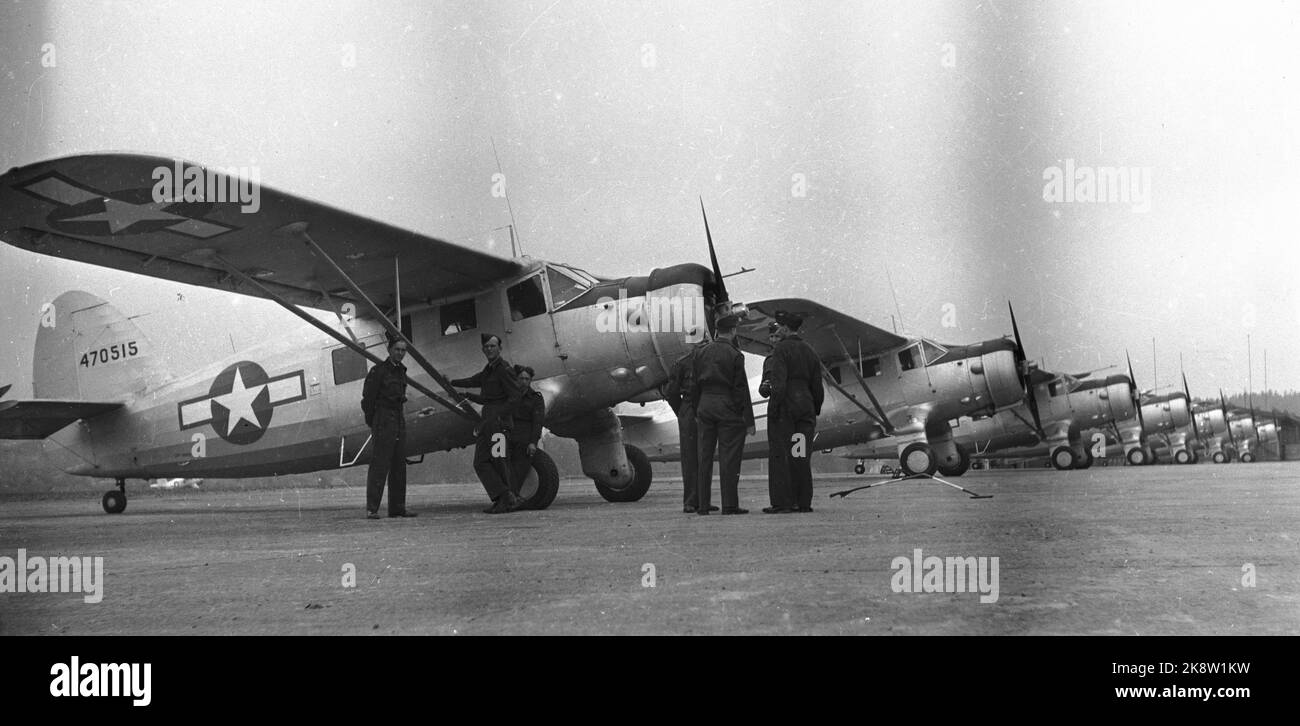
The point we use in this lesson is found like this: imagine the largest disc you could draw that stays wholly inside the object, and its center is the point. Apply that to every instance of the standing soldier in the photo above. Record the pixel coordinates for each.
(797, 388)
(500, 396)
(778, 437)
(679, 391)
(527, 431)
(382, 397)
(724, 410)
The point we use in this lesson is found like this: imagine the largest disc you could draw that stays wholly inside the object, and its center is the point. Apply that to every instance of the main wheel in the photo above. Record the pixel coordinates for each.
(1247, 458)
(859, 468)
(1136, 457)
(541, 485)
(642, 475)
(918, 458)
(958, 468)
(1182, 456)
(1085, 460)
(114, 501)
(1064, 458)
(1220, 457)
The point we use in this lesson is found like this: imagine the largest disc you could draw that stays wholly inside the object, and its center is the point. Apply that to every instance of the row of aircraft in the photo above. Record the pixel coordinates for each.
(598, 345)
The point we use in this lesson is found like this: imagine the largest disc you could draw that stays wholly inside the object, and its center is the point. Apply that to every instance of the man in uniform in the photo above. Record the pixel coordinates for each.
(500, 395)
(797, 389)
(724, 411)
(778, 437)
(679, 391)
(527, 431)
(382, 397)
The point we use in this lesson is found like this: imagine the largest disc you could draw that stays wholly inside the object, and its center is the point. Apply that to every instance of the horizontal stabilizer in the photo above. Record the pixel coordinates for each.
(40, 418)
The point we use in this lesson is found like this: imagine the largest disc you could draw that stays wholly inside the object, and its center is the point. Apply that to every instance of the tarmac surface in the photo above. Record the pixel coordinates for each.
(1163, 550)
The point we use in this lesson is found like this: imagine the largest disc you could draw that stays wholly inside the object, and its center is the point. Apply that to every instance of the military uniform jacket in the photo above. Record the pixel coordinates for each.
(680, 387)
(528, 418)
(500, 392)
(385, 388)
(797, 379)
(720, 369)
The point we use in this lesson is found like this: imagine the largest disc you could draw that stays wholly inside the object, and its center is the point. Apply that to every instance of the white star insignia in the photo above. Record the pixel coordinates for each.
(239, 402)
(120, 214)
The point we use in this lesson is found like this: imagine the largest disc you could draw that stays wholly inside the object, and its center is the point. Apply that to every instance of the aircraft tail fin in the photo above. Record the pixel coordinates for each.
(86, 350)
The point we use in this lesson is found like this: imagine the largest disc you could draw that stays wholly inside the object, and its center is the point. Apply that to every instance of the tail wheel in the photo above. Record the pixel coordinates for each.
(1220, 457)
(541, 485)
(959, 467)
(1136, 457)
(859, 468)
(114, 501)
(1182, 456)
(1085, 460)
(1064, 458)
(642, 474)
(918, 458)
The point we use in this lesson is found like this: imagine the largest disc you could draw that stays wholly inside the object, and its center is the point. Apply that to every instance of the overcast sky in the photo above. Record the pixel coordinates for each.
(832, 144)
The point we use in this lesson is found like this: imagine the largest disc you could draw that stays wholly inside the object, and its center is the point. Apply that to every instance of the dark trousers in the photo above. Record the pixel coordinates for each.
(800, 467)
(520, 464)
(778, 463)
(388, 435)
(492, 471)
(688, 440)
(723, 429)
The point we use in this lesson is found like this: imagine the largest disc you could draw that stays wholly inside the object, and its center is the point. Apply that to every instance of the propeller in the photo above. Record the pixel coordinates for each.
(1223, 402)
(1196, 431)
(1137, 401)
(1023, 371)
(5, 389)
(720, 295)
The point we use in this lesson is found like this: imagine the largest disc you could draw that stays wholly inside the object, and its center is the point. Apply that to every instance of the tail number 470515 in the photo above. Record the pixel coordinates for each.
(117, 351)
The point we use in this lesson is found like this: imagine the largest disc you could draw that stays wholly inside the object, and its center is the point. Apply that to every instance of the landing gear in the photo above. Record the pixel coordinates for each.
(919, 458)
(1182, 456)
(1151, 457)
(1196, 458)
(640, 484)
(1085, 460)
(1220, 457)
(115, 500)
(541, 485)
(1063, 458)
(958, 467)
(859, 468)
(1247, 458)
(1137, 457)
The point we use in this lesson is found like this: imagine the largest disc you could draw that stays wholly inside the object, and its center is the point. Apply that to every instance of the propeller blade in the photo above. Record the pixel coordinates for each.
(1223, 402)
(1137, 400)
(5, 390)
(1196, 431)
(713, 258)
(1023, 371)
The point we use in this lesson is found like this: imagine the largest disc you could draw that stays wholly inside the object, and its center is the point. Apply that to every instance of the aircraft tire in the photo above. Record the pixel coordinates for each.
(1220, 457)
(859, 468)
(548, 481)
(114, 502)
(1064, 458)
(642, 476)
(1136, 457)
(1182, 456)
(1085, 460)
(918, 458)
(960, 467)
(1248, 458)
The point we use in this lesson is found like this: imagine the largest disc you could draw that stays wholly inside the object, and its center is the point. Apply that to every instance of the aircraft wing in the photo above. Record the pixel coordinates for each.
(820, 326)
(104, 209)
(40, 418)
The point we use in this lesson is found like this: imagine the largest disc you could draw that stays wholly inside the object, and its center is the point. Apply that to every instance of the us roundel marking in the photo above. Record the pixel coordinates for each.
(241, 402)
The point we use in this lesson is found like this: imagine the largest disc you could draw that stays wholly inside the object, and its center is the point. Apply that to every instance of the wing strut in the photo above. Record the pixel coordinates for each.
(334, 333)
(299, 229)
(861, 381)
(884, 424)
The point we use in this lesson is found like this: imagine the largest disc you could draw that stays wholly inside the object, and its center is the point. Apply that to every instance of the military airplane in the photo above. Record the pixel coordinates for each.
(879, 385)
(285, 406)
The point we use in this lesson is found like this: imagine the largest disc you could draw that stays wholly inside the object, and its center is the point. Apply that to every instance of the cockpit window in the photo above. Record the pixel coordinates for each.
(458, 317)
(907, 358)
(567, 283)
(870, 367)
(1054, 389)
(932, 351)
(527, 298)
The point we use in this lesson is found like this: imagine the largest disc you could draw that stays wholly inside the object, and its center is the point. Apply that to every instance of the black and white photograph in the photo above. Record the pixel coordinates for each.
(581, 317)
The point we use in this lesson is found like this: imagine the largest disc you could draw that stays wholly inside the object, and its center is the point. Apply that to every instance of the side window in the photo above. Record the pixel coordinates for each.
(527, 298)
(349, 365)
(564, 288)
(836, 375)
(458, 317)
(907, 358)
(1054, 389)
(870, 367)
